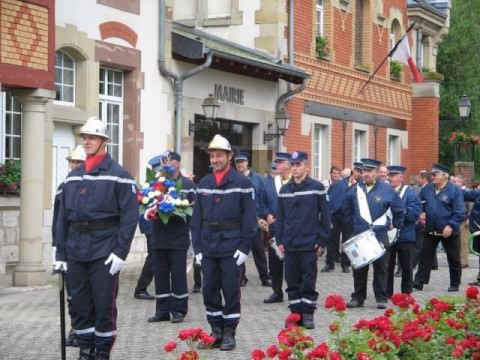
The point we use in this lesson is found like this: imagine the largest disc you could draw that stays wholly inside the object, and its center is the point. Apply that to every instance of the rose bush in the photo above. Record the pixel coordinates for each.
(445, 328)
(191, 337)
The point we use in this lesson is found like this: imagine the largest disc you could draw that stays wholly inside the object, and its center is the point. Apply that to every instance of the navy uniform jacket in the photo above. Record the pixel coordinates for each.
(474, 218)
(413, 208)
(445, 208)
(337, 192)
(107, 194)
(380, 198)
(56, 205)
(230, 203)
(271, 200)
(175, 234)
(303, 219)
(259, 195)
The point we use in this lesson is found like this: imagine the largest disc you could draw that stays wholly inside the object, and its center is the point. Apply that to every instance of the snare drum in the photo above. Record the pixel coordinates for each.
(363, 249)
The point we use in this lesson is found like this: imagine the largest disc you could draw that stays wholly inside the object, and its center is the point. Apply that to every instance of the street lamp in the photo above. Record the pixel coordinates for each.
(464, 107)
(210, 107)
(282, 119)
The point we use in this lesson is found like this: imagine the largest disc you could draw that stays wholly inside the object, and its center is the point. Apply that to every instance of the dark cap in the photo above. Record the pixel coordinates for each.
(241, 155)
(358, 165)
(298, 156)
(440, 168)
(172, 155)
(370, 163)
(281, 156)
(396, 169)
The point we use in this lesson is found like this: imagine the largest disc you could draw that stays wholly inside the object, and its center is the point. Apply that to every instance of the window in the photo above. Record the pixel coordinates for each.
(216, 9)
(64, 78)
(319, 11)
(11, 127)
(359, 32)
(110, 108)
(393, 150)
(321, 152)
(359, 145)
(395, 33)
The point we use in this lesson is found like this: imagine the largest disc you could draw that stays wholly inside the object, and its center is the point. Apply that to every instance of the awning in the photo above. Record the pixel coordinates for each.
(192, 45)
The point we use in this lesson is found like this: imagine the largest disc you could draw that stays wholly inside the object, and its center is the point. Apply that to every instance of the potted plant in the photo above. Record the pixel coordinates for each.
(321, 47)
(395, 69)
(10, 173)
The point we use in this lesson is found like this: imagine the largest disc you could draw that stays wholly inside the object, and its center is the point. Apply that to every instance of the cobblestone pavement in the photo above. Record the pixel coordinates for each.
(29, 318)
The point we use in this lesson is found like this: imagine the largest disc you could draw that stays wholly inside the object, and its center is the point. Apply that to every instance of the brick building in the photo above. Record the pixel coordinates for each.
(392, 118)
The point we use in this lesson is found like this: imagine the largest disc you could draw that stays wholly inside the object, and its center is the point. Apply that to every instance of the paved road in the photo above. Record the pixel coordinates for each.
(29, 318)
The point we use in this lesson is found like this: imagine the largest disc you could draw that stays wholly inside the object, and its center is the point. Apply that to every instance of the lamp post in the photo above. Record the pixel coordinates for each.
(464, 107)
(282, 120)
(210, 107)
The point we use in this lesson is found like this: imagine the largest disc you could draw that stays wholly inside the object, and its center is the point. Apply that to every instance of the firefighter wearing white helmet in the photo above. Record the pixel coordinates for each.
(97, 218)
(77, 154)
(223, 226)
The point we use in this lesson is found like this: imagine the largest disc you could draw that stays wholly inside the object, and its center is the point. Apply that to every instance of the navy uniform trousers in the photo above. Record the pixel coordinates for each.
(301, 276)
(452, 248)
(171, 292)
(340, 226)
(406, 254)
(146, 276)
(276, 271)
(92, 282)
(221, 273)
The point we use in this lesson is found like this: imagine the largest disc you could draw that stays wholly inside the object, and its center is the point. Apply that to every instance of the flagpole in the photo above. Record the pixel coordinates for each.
(385, 58)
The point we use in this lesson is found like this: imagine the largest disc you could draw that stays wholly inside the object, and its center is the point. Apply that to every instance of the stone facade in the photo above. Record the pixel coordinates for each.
(9, 237)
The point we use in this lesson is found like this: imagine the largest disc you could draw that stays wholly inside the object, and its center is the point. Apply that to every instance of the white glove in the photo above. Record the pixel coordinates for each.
(198, 258)
(117, 263)
(240, 256)
(54, 254)
(60, 266)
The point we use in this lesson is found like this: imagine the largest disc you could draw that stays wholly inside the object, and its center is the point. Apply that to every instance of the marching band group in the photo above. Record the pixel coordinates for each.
(367, 215)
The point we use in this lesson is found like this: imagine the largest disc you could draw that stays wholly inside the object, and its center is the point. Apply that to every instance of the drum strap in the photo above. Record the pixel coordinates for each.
(365, 211)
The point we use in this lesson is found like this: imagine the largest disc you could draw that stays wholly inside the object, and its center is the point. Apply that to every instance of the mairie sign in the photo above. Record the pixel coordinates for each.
(229, 94)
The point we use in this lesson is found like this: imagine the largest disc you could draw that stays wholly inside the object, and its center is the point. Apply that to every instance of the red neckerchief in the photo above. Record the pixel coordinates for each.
(220, 175)
(93, 161)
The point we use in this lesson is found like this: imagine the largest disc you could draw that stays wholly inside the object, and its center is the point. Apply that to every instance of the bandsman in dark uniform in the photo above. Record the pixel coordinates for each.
(375, 198)
(97, 218)
(169, 245)
(258, 250)
(404, 245)
(272, 189)
(474, 223)
(443, 211)
(223, 226)
(303, 229)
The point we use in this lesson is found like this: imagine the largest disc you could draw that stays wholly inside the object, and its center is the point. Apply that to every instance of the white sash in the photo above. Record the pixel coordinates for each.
(278, 183)
(365, 211)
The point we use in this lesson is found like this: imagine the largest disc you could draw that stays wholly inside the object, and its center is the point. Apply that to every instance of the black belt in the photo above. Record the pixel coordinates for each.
(214, 226)
(435, 233)
(85, 226)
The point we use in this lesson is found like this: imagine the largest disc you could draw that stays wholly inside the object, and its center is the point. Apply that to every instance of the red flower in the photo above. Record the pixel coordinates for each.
(334, 327)
(189, 355)
(319, 351)
(472, 293)
(362, 356)
(170, 346)
(293, 318)
(258, 354)
(335, 301)
(272, 351)
(389, 312)
(206, 339)
(450, 340)
(334, 356)
(457, 352)
(284, 354)
(402, 300)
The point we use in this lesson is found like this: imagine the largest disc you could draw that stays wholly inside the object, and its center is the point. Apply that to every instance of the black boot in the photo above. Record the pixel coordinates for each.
(71, 339)
(228, 341)
(217, 333)
(86, 353)
(102, 355)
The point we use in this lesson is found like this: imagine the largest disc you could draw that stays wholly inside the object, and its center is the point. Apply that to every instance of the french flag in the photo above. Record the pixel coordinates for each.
(401, 53)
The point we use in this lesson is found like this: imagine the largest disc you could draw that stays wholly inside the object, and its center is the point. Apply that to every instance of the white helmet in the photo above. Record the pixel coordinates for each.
(95, 126)
(219, 143)
(78, 154)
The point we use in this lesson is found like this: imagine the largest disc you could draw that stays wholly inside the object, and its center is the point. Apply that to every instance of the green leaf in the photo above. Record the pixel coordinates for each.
(164, 217)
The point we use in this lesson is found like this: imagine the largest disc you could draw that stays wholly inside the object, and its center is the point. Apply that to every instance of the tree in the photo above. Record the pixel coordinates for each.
(459, 60)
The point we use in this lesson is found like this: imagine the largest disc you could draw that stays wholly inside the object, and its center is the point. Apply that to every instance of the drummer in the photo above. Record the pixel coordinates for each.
(404, 246)
(366, 206)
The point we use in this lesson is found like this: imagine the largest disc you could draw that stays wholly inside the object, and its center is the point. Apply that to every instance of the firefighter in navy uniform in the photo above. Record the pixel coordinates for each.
(303, 229)
(444, 211)
(96, 223)
(223, 226)
(404, 245)
(378, 198)
(75, 158)
(474, 224)
(170, 243)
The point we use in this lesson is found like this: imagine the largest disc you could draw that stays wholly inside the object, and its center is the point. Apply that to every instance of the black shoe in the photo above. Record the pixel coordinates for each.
(475, 283)
(345, 269)
(217, 334)
(177, 317)
(328, 268)
(417, 286)
(266, 282)
(143, 295)
(157, 318)
(307, 320)
(243, 282)
(228, 341)
(102, 355)
(87, 354)
(354, 303)
(453, 288)
(381, 305)
(274, 298)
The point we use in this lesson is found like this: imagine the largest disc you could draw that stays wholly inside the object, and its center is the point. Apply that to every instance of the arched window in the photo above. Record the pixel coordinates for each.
(395, 33)
(64, 78)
